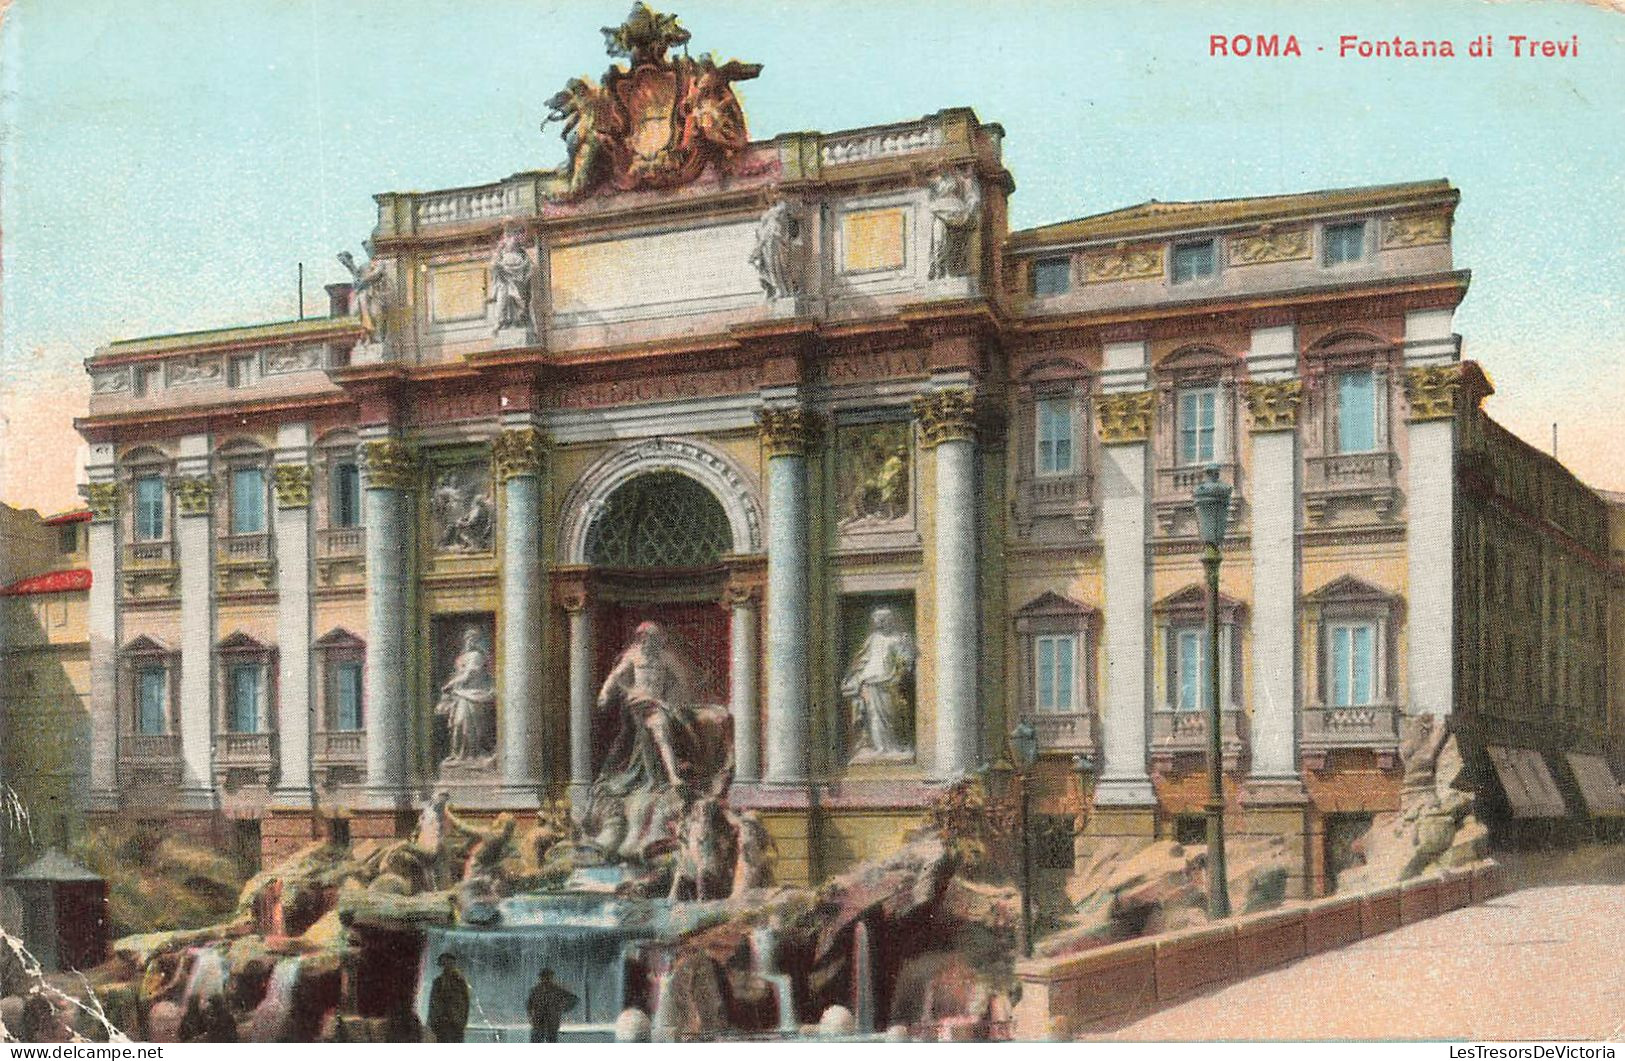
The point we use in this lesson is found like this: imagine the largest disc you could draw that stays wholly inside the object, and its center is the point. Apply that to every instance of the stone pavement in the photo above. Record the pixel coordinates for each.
(1546, 962)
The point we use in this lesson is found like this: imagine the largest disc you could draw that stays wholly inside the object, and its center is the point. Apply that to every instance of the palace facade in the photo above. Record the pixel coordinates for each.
(893, 477)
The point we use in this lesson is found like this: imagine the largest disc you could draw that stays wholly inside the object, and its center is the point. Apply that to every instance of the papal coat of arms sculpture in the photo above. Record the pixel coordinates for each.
(656, 124)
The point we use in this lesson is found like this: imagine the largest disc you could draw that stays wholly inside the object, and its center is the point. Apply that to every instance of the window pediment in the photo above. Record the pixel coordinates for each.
(1191, 363)
(339, 638)
(1052, 612)
(242, 644)
(1190, 603)
(1349, 594)
(147, 646)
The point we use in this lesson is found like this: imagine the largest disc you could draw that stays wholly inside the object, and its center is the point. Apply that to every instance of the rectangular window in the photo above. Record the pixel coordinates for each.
(243, 689)
(1198, 426)
(1052, 276)
(346, 495)
(67, 538)
(152, 684)
(1193, 261)
(347, 695)
(147, 379)
(1055, 658)
(1343, 243)
(247, 501)
(149, 508)
(1054, 436)
(1353, 664)
(1190, 668)
(1356, 412)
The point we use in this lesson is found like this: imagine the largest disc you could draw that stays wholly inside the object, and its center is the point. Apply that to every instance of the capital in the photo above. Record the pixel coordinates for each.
(946, 416)
(1124, 416)
(786, 430)
(192, 494)
(292, 485)
(1274, 404)
(389, 464)
(1432, 391)
(518, 452)
(103, 500)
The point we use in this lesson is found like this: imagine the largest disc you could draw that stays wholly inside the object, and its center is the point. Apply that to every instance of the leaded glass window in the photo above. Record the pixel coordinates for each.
(660, 519)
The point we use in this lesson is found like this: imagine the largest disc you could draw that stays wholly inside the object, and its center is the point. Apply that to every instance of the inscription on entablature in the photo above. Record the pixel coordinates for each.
(871, 365)
(659, 388)
(430, 407)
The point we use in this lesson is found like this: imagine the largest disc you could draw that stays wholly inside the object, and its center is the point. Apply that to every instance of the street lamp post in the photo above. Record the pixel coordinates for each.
(1024, 742)
(1212, 511)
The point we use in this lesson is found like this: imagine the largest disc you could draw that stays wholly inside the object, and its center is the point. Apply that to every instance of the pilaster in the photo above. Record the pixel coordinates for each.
(1433, 393)
(291, 478)
(1274, 394)
(194, 555)
(1123, 417)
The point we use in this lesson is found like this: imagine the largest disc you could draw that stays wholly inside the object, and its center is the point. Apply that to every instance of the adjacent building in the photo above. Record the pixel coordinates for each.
(893, 476)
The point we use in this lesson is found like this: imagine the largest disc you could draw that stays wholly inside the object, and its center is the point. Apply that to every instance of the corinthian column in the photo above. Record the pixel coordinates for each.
(518, 457)
(947, 427)
(784, 433)
(391, 469)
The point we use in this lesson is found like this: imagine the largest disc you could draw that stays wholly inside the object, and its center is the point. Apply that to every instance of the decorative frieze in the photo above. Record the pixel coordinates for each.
(1432, 391)
(194, 369)
(1416, 230)
(946, 416)
(786, 431)
(1274, 404)
(1270, 245)
(292, 485)
(115, 381)
(389, 464)
(518, 452)
(192, 494)
(293, 359)
(1125, 416)
(1123, 262)
(103, 500)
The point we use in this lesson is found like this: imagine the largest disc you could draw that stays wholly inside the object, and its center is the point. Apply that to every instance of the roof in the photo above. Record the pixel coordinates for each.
(78, 515)
(50, 582)
(233, 336)
(55, 866)
(1155, 216)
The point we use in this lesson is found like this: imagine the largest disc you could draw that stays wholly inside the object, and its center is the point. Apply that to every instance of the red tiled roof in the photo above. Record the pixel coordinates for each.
(78, 515)
(50, 582)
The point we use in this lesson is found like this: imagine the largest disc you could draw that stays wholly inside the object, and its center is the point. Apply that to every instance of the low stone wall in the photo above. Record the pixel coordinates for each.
(1112, 985)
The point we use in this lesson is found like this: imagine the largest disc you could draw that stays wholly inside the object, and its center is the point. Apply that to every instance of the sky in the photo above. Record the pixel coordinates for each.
(166, 166)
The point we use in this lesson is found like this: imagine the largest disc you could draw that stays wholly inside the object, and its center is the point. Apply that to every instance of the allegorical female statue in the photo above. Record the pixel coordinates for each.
(369, 292)
(511, 271)
(955, 203)
(879, 688)
(771, 255)
(468, 702)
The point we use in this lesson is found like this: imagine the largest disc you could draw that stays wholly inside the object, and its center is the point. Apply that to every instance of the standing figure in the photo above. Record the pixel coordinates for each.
(468, 702)
(369, 292)
(877, 686)
(449, 999)
(771, 255)
(511, 271)
(547, 1005)
(754, 845)
(955, 204)
(649, 683)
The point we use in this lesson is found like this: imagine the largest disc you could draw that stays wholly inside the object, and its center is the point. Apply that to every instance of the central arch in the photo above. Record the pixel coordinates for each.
(593, 496)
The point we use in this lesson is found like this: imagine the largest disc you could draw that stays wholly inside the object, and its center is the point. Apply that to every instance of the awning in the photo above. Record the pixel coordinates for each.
(1527, 782)
(1598, 785)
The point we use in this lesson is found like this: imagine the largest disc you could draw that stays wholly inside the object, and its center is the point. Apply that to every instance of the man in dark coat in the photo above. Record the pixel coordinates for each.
(449, 1000)
(547, 1005)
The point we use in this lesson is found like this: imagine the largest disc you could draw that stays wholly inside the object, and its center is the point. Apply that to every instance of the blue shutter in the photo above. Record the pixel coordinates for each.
(348, 691)
(248, 501)
(149, 508)
(1341, 653)
(1356, 413)
(153, 681)
(1364, 665)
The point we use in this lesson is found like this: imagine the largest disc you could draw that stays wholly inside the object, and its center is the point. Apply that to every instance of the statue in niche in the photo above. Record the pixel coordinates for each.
(511, 270)
(650, 684)
(879, 687)
(369, 291)
(462, 505)
(775, 233)
(875, 475)
(955, 203)
(468, 703)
